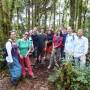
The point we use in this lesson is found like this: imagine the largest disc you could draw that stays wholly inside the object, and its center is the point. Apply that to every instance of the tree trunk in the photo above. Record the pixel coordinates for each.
(72, 13)
(45, 13)
(54, 15)
(28, 15)
(35, 14)
(85, 11)
(17, 18)
(79, 13)
(32, 14)
(11, 14)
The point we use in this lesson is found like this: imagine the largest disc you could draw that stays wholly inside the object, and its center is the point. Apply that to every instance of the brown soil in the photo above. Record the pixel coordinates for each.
(40, 83)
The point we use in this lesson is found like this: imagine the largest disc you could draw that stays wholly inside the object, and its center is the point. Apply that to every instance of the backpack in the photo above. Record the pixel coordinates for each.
(4, 52)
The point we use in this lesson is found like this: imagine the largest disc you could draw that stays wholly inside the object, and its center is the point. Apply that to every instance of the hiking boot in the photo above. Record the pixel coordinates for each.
(14, 82)
(34, 77)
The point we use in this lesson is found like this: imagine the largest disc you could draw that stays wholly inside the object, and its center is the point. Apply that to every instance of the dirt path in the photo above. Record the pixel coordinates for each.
(41, 83)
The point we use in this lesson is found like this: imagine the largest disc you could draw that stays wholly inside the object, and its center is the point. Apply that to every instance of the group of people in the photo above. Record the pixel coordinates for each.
(50, 45)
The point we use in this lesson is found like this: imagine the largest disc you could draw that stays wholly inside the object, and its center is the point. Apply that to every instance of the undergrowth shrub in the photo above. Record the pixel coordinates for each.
(69, 77)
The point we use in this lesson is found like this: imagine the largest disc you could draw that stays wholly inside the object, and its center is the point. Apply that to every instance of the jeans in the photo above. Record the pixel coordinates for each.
(62, 53)
(15, 69)
(55, 57)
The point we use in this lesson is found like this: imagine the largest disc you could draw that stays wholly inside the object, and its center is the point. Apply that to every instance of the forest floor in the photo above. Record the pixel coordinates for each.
(40, 83)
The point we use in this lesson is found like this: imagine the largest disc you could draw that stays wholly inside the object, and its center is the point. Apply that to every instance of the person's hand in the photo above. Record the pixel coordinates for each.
(45, 49)
(46, 42)
(53, 50)
(21, 56)
(30, 53)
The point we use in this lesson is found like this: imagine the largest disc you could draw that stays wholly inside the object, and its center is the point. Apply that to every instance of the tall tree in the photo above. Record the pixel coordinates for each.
(28, 7)
(72, 13)
(79, 13)
(45, 14)
(32, 13)
(7, 8)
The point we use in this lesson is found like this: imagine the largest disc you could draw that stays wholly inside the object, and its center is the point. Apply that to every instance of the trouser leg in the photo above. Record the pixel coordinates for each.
(82, 61)
(69, 57)
(23, 66)
(77, 60)
(52, 57)
(28, 65)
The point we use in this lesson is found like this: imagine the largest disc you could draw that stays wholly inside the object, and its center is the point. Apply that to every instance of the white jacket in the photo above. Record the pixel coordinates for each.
(80, 46)
(9, 58)
(69, 44)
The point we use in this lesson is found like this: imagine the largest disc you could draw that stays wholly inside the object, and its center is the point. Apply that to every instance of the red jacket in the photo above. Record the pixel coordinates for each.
(57, 41)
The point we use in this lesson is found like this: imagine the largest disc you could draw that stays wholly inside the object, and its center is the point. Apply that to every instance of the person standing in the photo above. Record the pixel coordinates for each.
(49, 44)
(42, 46)
(32, 47)
(30, 41)
(63, 33)
(57, 44)
(24, 49)
(36, 45)
(12, 58)
(80, 49)
(69, 45)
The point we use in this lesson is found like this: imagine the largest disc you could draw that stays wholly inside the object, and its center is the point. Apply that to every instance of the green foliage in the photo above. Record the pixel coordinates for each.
(2, 62)
(68, 77)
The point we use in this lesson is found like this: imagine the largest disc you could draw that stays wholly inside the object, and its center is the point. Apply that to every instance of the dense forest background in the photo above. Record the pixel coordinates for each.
(23, 15)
